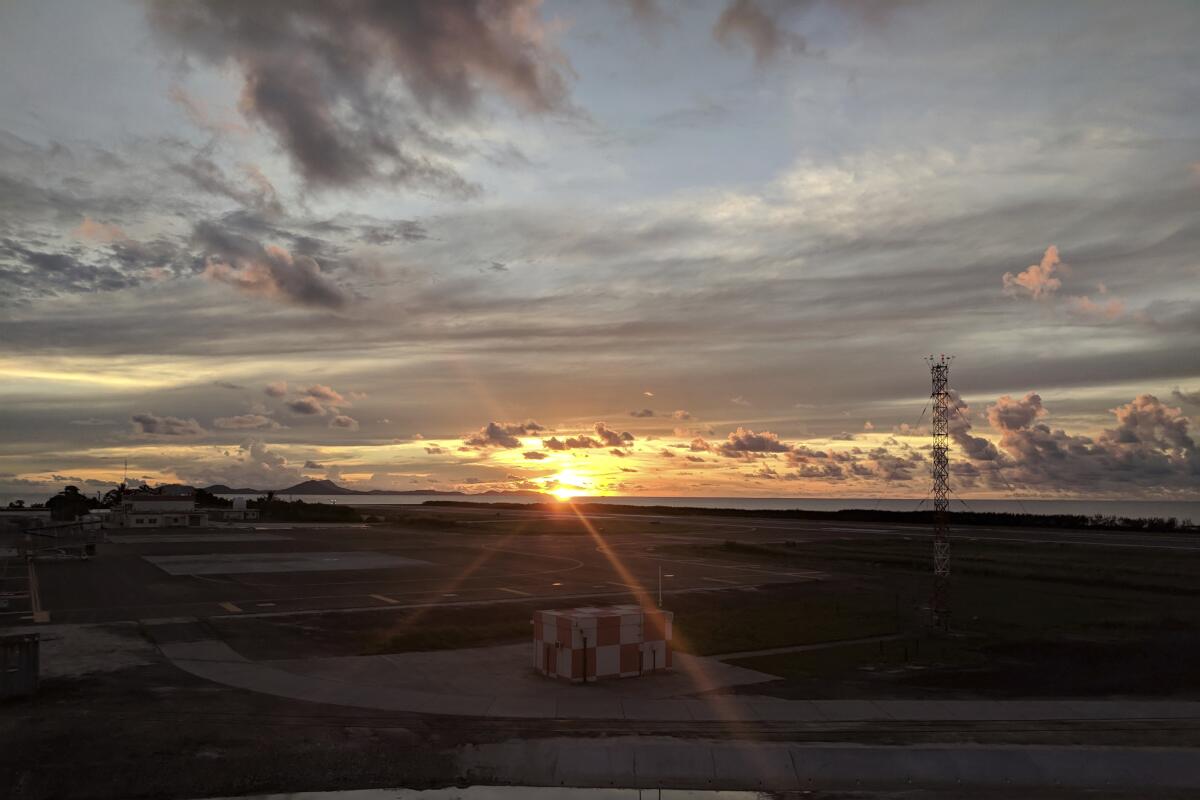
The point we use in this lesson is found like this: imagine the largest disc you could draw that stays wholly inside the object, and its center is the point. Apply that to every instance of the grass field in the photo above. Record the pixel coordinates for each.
(1046, 621)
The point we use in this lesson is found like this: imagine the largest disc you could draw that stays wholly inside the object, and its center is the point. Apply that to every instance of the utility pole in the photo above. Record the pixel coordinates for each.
(939, 606)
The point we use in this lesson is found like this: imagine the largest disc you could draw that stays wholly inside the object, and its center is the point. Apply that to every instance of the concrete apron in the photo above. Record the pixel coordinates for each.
(652, 762)
(216, 661)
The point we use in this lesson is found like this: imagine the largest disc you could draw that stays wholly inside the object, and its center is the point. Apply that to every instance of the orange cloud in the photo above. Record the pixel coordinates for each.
(1038, 279)
(94, 231)
(1086, 307)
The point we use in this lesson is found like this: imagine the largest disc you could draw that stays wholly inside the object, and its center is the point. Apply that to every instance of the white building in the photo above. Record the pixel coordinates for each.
(144, 510)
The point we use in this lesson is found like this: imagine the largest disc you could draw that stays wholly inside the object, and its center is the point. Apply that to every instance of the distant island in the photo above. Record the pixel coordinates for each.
(329, 487)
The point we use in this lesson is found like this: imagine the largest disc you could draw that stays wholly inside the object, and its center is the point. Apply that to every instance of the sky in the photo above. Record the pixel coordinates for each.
(645, 248)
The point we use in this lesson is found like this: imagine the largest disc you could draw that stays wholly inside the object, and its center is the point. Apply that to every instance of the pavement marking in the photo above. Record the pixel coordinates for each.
(802, 648)
(308, 612)
(718, 580)
(625, 585)
(230, 607)
(384, 598)
(514, 591)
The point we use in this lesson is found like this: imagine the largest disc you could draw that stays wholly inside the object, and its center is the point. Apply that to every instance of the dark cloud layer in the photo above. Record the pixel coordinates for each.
(747, 22)
(165, 426)
(502, 434)
(267, 271)
(763, 25)
(320, 75)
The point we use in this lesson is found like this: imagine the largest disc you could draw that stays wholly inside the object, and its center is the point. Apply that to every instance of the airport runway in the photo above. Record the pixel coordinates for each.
(288, 569)
(282, 570)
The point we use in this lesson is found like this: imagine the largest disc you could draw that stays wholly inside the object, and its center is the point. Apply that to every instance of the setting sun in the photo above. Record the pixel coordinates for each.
(567, 483)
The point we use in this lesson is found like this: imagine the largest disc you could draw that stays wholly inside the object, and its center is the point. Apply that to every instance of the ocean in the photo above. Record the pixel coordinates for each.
(1180, 509)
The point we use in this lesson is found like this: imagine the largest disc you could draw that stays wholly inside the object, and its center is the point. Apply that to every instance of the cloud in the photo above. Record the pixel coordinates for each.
(959, 427)
(534, 455)
(645, 412)
(405, 230)
(94, 231)
(1146, 420)
(307, 406)
(246, 422)
(310, 464)
(276, 389)
(605, 437)
(198, 112)
(344, 422)
(321, 77)
(326, 394)
(744, 441)
(51, 273)
(1007, 414)
(739, 401)
(1192, 398)
(265, 271)
(745, 22)
(1037, 280)
(253, 189)
(681, 415)
(1084, 306)
(229, 385)
(611, 438)
(165, 426)
(253, 464)
(502, 434)
(571, 443)
(645, 12)
(1150, 445)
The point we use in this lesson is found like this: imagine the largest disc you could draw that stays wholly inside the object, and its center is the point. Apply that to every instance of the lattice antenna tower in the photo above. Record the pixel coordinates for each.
(939, 606)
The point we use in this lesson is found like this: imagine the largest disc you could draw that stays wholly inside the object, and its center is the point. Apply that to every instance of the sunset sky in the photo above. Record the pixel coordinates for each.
(646, 248)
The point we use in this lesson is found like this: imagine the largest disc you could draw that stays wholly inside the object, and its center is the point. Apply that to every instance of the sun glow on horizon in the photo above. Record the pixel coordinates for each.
(566, 484)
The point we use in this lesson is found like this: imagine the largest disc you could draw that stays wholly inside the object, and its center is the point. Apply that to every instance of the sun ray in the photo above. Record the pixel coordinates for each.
(700, 680)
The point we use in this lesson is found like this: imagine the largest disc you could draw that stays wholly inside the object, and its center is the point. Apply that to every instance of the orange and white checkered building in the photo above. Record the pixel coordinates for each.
(584, 644)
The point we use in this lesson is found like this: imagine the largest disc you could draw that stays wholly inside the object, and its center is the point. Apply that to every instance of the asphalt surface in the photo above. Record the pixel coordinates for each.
(149, 577)
(283, 569)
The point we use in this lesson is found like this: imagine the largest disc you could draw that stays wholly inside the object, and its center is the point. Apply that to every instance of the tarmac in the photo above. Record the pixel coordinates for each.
(344, 682)
(780, 766)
